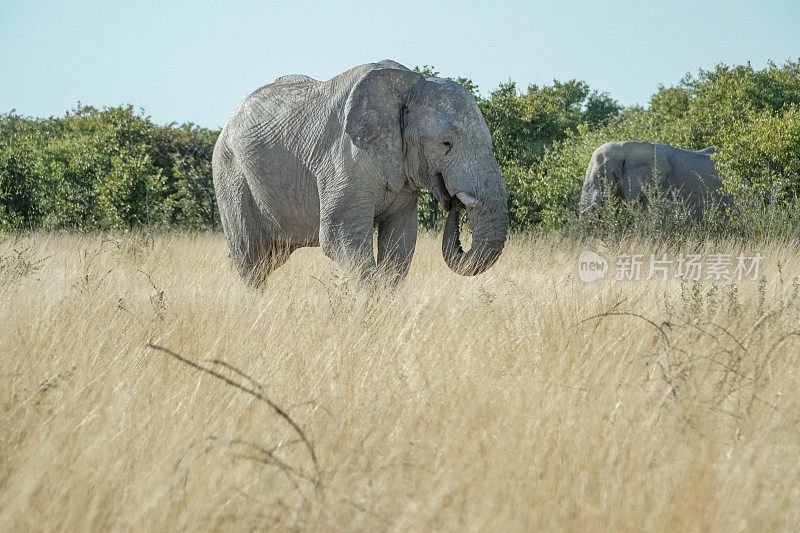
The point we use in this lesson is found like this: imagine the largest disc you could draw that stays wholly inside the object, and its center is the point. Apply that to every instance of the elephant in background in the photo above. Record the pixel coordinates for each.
(629, 168)
(303, 162)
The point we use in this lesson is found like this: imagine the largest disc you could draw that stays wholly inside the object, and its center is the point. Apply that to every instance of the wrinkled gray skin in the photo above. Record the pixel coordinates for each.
(306, 163)
(631, 167)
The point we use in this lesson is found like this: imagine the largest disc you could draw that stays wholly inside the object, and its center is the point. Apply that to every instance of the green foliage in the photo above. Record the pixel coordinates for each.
(750, 116)
(109, 168)
(524, 207)
(185, 153)
(698, 107)
(760, 155)
(19, 171)
(523, 124)
(114, 168)
(429, 211)
(129, 195)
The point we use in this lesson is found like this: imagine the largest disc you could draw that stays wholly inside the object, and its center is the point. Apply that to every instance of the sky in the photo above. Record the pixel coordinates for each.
(193, 61)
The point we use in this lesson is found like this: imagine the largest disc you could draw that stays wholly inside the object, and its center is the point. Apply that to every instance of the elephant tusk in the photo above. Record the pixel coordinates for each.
(587, 208)
(468, 199)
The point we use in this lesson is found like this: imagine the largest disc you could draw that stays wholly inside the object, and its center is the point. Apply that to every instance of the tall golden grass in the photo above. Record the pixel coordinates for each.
(451, 403)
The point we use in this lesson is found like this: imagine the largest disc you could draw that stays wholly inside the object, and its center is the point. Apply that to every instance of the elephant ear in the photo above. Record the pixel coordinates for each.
(374, 119)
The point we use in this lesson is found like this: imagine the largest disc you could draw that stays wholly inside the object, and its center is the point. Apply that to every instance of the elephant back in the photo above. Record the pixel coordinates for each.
(294, 79)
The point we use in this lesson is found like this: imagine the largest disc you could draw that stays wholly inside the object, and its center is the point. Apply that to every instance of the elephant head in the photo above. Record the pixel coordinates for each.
(429, 132)
(603, 176)
(624, 170)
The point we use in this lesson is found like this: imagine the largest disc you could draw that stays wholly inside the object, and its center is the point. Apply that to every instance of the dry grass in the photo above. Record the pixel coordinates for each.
(452, 403)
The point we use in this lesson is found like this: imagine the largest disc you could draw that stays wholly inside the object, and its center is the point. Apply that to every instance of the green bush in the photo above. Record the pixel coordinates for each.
(19, 182)
(113, 168)
(524, 124)
(109, 168)
(750, 116)
(760, 155)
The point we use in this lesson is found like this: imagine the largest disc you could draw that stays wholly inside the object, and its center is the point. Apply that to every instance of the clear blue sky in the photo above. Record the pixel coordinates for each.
(193, 61)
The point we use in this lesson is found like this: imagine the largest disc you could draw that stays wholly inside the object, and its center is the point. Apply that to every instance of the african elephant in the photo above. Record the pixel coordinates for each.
(303, 162)
(631, 167)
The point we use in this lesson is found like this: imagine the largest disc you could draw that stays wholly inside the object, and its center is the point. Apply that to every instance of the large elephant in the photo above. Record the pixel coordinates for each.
(306, 163)
(628, 169)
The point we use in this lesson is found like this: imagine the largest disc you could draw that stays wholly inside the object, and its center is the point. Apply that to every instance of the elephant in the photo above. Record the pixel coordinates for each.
(303, 162)
(629, 168)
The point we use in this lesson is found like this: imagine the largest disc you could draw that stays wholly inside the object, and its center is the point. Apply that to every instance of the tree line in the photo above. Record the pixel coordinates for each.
(113, 168)
(110, 168)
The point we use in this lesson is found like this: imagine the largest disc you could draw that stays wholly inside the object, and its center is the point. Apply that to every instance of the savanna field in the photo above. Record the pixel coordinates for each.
(520, 399)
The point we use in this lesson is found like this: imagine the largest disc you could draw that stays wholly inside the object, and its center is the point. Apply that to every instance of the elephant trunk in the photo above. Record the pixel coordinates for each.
(489, 226)
(592, 197)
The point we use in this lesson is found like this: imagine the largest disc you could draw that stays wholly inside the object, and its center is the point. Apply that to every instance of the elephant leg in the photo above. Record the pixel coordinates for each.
(253, 250)
(397, 237)
(350, 247)
(345, 234)
(277, 254)
(260, 260)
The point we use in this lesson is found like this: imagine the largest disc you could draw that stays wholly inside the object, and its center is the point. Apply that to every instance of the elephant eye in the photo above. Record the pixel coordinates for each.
(447, 145)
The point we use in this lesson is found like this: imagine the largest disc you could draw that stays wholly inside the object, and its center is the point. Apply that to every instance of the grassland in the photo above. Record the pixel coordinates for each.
(520, 399)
